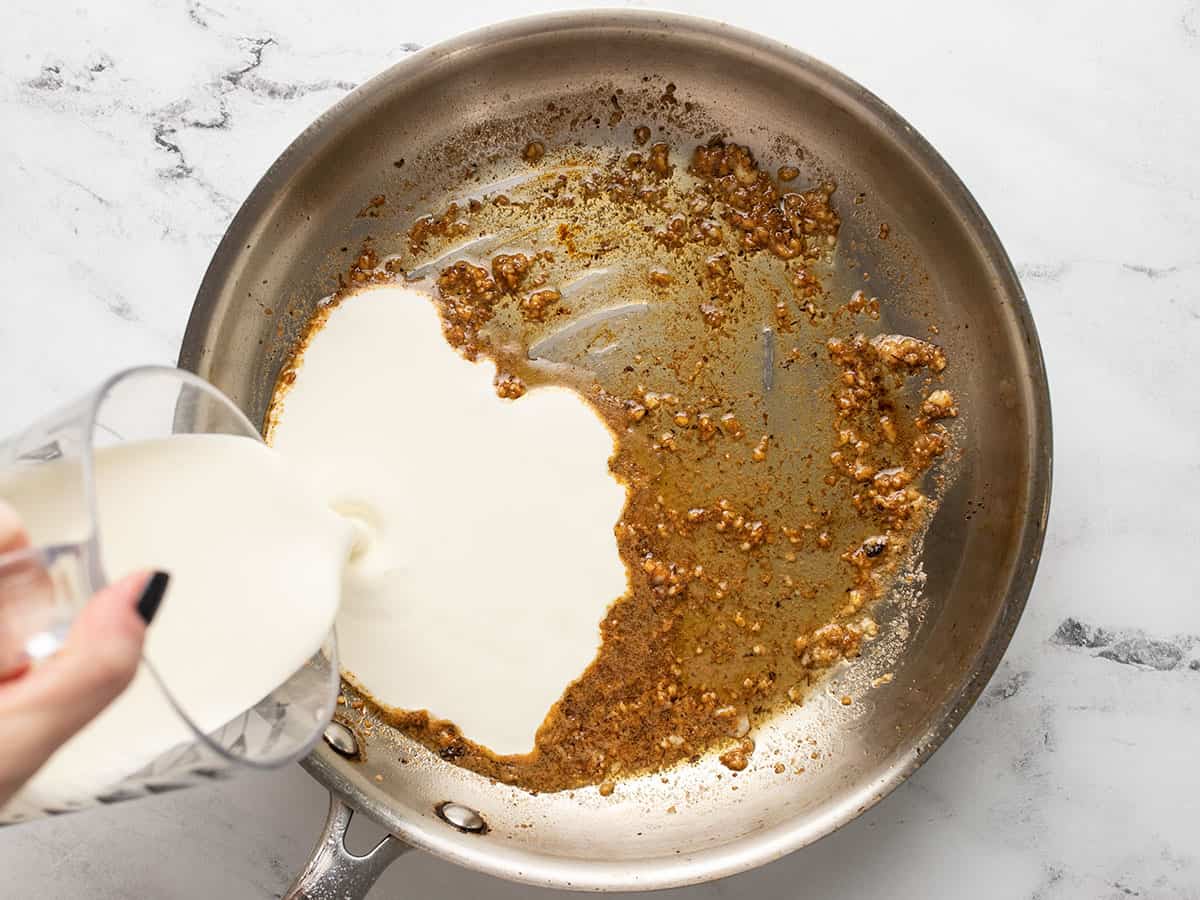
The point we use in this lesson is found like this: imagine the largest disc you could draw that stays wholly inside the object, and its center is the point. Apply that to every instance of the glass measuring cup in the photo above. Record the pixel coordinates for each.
(43, 588)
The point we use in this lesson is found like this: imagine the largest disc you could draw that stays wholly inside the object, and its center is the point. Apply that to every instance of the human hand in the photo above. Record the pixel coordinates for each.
(46, 703)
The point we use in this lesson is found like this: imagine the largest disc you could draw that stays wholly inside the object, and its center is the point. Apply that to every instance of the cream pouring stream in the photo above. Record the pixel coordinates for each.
(256, 560)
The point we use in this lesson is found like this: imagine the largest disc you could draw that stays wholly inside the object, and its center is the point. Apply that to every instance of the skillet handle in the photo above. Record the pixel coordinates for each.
(333, 871)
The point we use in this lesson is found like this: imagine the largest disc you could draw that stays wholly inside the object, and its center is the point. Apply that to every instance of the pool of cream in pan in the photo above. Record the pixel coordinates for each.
(486, 556)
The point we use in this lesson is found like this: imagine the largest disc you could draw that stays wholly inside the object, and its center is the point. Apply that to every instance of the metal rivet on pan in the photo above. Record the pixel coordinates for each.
(341, 739)
(461, 817)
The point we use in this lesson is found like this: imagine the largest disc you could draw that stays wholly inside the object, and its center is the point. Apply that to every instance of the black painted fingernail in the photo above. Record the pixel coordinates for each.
(152, 596)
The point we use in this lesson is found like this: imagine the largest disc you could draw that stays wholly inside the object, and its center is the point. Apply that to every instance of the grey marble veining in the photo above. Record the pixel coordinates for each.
(132, 130)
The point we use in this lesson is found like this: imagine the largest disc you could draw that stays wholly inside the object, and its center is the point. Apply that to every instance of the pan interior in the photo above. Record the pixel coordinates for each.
(409, 135)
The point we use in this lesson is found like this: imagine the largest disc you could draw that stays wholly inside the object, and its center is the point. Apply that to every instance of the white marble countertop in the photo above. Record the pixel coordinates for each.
(134, 128)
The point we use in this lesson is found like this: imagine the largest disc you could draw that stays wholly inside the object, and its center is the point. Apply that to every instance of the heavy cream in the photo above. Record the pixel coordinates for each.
(487, 557)
(255, 560)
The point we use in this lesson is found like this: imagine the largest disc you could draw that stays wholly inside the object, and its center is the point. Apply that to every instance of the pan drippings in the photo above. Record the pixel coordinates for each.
(777, 449)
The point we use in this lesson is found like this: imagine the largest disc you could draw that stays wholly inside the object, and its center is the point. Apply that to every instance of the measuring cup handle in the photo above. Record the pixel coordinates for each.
(333, 871)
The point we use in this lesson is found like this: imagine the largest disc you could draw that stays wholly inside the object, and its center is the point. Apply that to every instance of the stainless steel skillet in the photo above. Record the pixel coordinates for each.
(409, 134)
